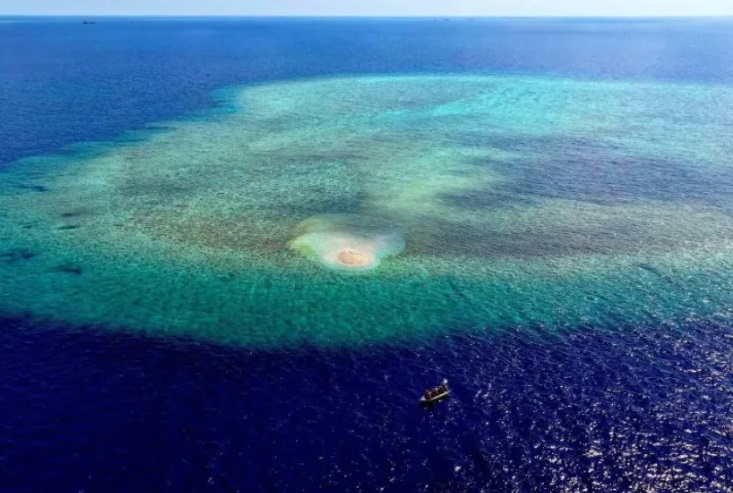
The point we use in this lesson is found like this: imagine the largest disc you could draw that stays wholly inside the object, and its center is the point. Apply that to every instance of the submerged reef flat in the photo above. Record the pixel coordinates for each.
(383, 208)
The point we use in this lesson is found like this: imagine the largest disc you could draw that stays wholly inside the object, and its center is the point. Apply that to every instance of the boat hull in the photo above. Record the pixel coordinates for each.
(434, 399)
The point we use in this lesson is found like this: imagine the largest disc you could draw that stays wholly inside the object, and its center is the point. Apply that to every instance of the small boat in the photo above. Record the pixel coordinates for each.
(435, 394)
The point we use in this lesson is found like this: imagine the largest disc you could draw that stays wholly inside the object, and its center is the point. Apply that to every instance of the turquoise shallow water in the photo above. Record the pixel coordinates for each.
(382, 208)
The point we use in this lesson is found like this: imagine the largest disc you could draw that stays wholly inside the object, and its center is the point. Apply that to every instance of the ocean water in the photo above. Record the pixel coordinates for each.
(234, 253)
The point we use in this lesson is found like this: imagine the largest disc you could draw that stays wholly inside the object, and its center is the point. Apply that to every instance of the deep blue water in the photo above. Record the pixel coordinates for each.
(640, 409)
(63, 82)
(634, 409)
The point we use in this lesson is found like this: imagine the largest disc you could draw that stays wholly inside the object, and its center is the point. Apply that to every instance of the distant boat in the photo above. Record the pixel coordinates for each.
(435, 394)
(88, 22)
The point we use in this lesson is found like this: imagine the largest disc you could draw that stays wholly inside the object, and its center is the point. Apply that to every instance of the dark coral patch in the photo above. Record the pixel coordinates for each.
(17, 255)
(35, 188)
(69, 269)
(72, 214)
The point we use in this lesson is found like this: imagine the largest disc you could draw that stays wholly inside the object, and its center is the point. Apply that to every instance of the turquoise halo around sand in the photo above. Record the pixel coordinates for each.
(382, 209)
(347, 242)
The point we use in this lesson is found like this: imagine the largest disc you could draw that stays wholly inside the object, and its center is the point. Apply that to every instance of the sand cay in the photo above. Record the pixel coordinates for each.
(352, 258)
(331, 243)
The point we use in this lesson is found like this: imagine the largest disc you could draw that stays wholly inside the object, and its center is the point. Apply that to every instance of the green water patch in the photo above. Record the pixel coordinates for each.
(380, 209)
